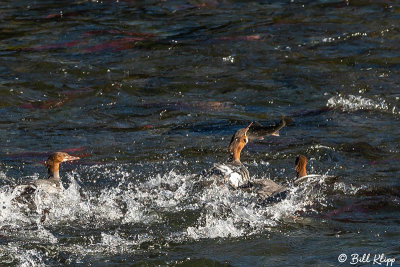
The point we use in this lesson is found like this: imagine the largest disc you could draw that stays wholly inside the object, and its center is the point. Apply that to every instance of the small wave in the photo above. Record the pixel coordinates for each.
(354, 103)
(348, 189)
(214, 228)
(114, 243)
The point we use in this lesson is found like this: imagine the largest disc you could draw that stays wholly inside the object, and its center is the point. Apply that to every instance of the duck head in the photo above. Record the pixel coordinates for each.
(238, 141)
(53, 163)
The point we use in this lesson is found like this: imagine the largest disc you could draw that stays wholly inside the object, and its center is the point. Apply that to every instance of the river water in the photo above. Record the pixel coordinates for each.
(149, 93)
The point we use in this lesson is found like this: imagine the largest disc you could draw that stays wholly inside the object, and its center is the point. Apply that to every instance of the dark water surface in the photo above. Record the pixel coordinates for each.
(149, 93)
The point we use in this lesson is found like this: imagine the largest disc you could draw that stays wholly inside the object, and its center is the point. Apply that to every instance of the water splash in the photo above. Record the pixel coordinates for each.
(141, 211)
(114, 243)
(354, 103)
(25, 258)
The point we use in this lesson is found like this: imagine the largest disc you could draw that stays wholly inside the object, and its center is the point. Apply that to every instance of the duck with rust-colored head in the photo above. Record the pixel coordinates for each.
(302, 177)
(52, 183)
(24, 194)
(234, 172)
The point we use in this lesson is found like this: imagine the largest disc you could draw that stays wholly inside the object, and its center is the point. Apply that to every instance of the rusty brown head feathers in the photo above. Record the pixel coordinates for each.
(238, 141)
(54, 160)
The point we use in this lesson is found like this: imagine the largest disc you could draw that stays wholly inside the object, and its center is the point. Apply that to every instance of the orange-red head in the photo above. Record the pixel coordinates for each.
(238, 141)
(54, 160)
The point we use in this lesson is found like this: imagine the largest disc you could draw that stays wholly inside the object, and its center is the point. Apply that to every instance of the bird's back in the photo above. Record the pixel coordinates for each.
(268, 189)
(235, 174)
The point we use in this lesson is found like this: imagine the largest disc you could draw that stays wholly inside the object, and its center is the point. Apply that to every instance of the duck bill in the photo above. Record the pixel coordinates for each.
(251, 123)
(275, 134)
(70, 158)
(248, 127)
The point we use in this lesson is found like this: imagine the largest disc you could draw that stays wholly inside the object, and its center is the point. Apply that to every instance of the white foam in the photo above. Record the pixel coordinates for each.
(348, 189)
(222, 211)
(116, 244)
(215, 227)
(26, 258)
(10, 216)
(354, 103)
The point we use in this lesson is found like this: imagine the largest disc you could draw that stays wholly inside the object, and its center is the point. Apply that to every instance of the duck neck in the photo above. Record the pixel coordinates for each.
(236, 154)
(54, 171)
(301, 171)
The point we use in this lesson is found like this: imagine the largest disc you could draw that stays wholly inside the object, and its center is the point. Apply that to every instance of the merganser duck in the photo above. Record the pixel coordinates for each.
(301, 173)
(234, 172)
(50, 185)
(302, 176)
(271, 191)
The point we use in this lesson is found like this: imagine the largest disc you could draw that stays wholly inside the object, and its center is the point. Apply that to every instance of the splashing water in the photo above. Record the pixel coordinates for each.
(354, 103)
(140, 214)
(218, 211)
